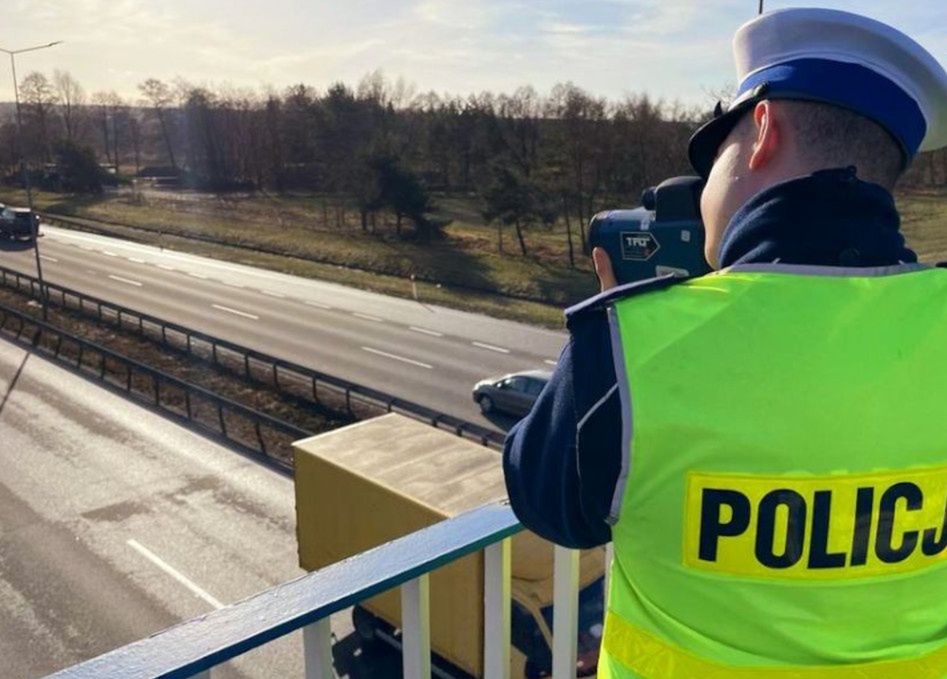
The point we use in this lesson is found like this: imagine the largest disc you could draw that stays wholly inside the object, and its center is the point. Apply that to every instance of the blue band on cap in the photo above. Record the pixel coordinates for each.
(850, 86)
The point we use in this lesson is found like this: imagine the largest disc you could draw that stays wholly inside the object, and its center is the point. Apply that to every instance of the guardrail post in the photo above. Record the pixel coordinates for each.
(565, 613)
(496, 611)
(317, 650)
(416, 628)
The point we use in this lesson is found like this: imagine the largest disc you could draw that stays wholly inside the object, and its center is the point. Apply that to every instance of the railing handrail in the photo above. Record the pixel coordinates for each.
(416, 410)
(204, 642)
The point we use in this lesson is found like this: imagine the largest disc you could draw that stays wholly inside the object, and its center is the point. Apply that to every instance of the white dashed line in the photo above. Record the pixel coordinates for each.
(48, 258)
(318, 305)
(127, 281)
(367, 317)
(197, 275)
(235, 311)
(499, 350)
(233, 285)
(86, 247)
(109, 253)
(136, 260)
(277, 295)
(166, 267)
(173, 572)
(425, 331)
(397, 358)
(548, 362)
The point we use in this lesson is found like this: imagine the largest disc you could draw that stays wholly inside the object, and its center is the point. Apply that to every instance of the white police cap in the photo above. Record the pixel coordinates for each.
(836, 58)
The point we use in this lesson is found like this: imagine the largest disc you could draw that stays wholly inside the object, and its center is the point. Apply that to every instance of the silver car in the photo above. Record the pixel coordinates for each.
(514, 394)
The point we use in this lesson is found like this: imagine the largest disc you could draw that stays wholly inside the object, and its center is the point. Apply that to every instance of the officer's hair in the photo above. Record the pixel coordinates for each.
(830, 136)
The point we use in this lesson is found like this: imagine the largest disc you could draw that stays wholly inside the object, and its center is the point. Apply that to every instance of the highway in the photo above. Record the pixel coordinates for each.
(116, 523)
(425, 353)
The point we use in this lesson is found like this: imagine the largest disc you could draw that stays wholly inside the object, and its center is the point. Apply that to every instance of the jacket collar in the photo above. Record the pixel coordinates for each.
(828, 218)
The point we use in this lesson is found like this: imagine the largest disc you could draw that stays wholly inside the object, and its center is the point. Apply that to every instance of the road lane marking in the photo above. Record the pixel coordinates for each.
(425, 331)
(127, 281)
(490, 347)
(318, 305)
(548, 362)
(173, 572)
(136, 260)
(166, 267)
(277, 295)
(233, 285)
(197, 275)
(367, 317)
(48, 258)
(109, 253)
(86, 247)
(397, 358)
(235, 311)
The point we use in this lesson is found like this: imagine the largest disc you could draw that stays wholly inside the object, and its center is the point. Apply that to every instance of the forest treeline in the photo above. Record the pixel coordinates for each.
(378, 147)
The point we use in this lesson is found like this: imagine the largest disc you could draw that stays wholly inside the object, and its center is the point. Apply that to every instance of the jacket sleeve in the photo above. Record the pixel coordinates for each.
(562, 461)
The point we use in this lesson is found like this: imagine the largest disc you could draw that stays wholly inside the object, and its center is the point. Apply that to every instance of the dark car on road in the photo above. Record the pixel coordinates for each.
(18, 223)
(514, 394)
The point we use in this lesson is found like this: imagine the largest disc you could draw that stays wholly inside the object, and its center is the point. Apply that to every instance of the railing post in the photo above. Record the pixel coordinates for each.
(496, 611)
(416, 628)
(565, 613)
(317, 649)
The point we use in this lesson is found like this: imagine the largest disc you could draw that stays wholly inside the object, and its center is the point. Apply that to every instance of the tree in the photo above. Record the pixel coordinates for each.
(512, 199)
(71, 99)
(158, 95)
(38, 100)
(79, 171)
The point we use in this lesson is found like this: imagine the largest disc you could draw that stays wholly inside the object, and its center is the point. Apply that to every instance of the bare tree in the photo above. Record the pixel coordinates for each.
(158, 96)
(71, 99)
(38, 101)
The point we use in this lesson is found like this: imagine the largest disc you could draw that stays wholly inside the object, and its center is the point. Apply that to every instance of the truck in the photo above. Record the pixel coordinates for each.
(374, 481)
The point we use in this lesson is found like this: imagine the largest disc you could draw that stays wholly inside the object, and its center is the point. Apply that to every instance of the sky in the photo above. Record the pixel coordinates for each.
(675, 50)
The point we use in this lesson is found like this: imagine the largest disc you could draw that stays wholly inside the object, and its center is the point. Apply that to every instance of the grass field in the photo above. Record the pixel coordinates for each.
(464, 270)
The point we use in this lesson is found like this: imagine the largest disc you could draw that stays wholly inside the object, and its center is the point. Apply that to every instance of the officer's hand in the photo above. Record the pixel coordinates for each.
(603, 268)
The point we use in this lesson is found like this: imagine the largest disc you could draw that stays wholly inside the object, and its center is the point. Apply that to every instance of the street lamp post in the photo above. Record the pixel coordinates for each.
(43, 293)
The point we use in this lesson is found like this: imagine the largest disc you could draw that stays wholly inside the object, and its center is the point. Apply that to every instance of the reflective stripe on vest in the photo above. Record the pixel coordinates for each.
(782, 505)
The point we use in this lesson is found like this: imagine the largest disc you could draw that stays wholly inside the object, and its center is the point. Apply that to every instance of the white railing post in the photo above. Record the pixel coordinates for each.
(496, 610)
(565, 613)
(317, 649)
(416, 628)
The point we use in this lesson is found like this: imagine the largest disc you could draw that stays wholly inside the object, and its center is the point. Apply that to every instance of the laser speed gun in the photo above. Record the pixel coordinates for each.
(665, 235)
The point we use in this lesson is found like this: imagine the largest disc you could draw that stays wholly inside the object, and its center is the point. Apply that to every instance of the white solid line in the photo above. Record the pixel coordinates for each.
(425, 331)
(318, 305)
(109, 253)
(166, 267)
(197, 275)
(235, 311)
(491, 347)
(368, 318)
(48, 258)
(136, 260)
(278, 295)
(174, 573)
(397, 358)
(127, 281)
(548, 362)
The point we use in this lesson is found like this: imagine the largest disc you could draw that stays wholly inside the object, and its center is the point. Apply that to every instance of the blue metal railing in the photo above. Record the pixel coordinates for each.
(198, 645)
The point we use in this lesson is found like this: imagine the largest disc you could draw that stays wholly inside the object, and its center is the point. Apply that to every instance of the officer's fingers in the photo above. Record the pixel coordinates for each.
(603, 268)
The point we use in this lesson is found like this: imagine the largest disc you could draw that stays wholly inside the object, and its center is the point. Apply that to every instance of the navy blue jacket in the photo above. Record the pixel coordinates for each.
(562, 461)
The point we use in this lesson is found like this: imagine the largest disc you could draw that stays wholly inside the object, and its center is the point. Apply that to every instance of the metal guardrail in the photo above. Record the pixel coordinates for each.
(287, 377)
(253, 431)
(193, 648)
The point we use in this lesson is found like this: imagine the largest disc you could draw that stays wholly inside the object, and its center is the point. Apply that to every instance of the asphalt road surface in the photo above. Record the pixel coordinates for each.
(116, 523)
(427, 354)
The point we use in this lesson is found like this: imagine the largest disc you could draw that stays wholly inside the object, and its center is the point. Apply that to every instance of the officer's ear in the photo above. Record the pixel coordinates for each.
(769, 135)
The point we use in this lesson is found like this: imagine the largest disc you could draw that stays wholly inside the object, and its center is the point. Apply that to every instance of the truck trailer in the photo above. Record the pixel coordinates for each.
(374, 481)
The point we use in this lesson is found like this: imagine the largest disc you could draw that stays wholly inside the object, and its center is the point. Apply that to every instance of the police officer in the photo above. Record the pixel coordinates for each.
(766, 446)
